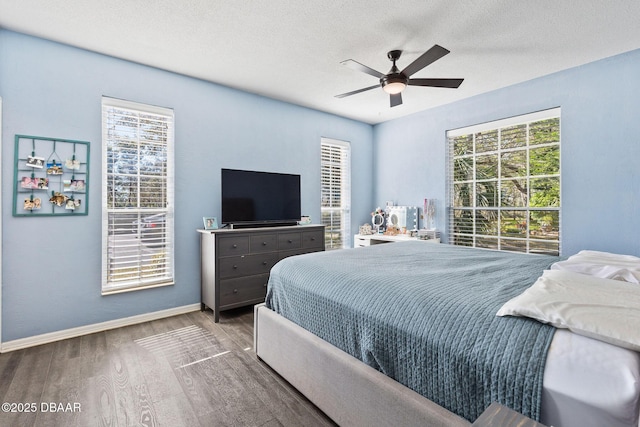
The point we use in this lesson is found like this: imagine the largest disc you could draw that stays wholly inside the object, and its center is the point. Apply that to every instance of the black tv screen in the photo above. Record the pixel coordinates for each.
(251, 198)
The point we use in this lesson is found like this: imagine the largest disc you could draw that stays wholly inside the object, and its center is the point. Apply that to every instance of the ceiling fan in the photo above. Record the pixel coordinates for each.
(395, 80)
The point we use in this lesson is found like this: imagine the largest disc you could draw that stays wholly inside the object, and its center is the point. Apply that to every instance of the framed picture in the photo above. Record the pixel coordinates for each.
(210, 223)
(44, 182)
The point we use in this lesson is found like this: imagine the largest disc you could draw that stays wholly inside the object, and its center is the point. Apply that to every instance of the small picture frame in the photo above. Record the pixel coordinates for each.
(54, 168)
(77, 185)
(32, 204)
(72, 164)
(35, 162)
(210, 223)
(58, 199)
(29, 183)
(72, 204)
(43, 183)
(34, 183)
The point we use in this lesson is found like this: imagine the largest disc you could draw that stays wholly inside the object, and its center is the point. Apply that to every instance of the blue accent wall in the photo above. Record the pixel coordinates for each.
(52, 265)
(600, 149)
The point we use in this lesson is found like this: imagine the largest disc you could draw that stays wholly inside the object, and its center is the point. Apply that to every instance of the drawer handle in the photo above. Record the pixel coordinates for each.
(313, 239)
(290, 241)
(264, 243)
(235, 267)
(264, 262)
(234, 246)
(235, 291)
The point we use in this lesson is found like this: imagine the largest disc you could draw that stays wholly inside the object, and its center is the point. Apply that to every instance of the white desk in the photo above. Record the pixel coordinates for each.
(361, 240)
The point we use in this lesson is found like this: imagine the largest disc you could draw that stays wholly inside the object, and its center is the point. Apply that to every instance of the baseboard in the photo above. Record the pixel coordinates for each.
(96, 327)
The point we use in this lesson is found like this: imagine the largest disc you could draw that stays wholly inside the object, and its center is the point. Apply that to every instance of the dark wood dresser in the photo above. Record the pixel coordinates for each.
(235, 263)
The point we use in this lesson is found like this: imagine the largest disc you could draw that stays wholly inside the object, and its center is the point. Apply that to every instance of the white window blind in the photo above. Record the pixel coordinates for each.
(504, 184)
(336, 192)
(138, 195)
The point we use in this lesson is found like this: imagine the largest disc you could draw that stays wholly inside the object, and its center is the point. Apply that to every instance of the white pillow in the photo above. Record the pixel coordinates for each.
(603, 309)
(603, 264)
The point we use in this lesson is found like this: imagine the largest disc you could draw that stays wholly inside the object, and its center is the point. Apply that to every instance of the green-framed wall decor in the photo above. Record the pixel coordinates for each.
(51, 177)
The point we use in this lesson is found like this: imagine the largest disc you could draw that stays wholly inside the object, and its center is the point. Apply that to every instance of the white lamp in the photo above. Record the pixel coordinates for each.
(394, 88)
(393, 83)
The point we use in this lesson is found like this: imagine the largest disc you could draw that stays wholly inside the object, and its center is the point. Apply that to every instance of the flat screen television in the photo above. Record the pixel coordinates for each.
(251, 198)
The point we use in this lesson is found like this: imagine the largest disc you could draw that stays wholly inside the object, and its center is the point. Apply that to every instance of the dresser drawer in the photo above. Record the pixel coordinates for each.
(289, 241)
(264, 243)
(243, 291)
(247, 265)
(313, 239)
(294, 252)
(233, 245)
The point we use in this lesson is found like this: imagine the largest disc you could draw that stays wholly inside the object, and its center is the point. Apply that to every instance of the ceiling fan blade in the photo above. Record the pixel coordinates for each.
(451, 83)
(430, 56)
(395, 99)
(357, 91)
(355, 65)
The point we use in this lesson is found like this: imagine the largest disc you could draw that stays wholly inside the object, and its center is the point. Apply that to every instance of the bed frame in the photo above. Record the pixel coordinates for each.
(344, 388)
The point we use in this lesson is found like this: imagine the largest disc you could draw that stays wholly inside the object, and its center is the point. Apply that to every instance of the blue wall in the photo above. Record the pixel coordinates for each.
(600, 151)
(52, 266)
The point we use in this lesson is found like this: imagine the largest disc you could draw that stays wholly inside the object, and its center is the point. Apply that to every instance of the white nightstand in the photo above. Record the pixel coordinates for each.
(361, 241)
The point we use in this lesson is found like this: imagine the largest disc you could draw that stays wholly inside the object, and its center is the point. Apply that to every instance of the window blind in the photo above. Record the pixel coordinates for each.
(138, 195)
(336, 192)
(504, 184)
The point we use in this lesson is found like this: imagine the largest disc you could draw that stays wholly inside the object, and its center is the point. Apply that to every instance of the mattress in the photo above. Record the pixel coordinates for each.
(586, 382)
(590, 383)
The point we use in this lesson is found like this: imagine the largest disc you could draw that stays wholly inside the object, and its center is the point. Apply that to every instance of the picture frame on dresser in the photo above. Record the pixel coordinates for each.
(210, 223)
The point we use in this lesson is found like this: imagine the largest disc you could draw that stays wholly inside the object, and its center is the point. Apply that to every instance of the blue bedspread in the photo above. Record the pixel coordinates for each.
(425, 315)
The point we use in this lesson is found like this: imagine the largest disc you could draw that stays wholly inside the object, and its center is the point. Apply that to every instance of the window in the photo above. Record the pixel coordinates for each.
(137, 189)
(504, 184)
(336, 193)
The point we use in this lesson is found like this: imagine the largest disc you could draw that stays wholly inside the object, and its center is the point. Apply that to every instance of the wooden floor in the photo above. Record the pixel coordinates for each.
(181, 371)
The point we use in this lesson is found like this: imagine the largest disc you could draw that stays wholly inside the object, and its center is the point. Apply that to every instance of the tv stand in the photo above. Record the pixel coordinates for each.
(235, 263)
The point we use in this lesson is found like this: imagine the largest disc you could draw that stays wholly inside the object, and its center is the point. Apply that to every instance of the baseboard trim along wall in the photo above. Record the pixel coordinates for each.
(96, 327)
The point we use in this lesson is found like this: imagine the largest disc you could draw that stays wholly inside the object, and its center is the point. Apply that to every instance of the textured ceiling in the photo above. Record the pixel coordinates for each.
(291, 50)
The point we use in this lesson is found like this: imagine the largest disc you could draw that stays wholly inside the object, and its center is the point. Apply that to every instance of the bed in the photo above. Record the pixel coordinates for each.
(350, 329)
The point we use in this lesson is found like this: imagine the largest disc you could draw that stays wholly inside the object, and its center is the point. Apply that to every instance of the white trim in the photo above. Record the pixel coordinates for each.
(136, 106)
(96, 327)
(343, 144)
(471, 157)
(166, 275)
(345, 188)
(124, 289)
(509, 121)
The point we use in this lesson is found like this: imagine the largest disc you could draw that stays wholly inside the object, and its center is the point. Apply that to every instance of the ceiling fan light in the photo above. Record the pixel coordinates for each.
(393, 88)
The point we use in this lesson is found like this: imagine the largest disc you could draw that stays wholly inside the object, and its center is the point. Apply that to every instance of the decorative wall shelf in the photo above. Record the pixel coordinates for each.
(51, 177)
